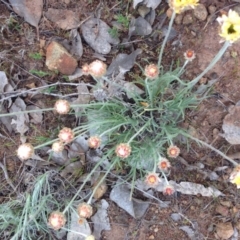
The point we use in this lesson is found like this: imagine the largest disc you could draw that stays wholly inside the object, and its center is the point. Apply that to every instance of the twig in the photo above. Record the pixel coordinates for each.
(7, 4)
(9, 181)
(34, 90)
(232, 5)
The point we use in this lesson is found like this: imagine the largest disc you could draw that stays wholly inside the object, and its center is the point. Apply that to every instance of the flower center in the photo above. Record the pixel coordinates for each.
(173, 152)
(152, 179)
(163, 165)
(189, 54)
(231, 29)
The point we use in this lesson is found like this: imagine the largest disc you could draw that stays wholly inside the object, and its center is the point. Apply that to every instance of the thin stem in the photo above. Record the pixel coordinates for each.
(100, 182)
(165, 177)
(111, 129)
(212, 148)
(132, 185)
(70, 230)
(140, 130)
(184, 65)
(148, 90)
(47, 143)
(165, 39)
(34, 90)
(9, 181)
(211, 64)
(85, 181)
(29, 111)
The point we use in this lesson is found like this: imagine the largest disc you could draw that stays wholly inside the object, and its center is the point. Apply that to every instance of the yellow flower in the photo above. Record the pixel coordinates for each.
(230, 26)
(235, 176)
(179, 6)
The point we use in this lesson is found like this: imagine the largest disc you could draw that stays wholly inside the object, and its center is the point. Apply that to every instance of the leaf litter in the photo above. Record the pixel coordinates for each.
(31, 11)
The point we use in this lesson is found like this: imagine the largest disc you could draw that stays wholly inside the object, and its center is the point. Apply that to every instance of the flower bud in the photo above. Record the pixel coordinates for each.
(66, 135)
(56, 220)
(189, 55)
(57, 147)
(85, 69)
(123, 150)
(151, 71)
(25, 151)
(90, 237)
(62, 106)
(173, 151)
(94, 142)
(164, 164)
(152, 179)
(97, 68)
(84, 210)
(168, 190)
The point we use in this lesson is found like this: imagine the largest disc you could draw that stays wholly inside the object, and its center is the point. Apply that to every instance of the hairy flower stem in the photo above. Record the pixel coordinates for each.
(137, 133)
(211, 64)
(113, 128)
(87, 179)
(212, 148)
(100, 182)
(165, 177)
(183, 67)
(166, 38)
(149, 92)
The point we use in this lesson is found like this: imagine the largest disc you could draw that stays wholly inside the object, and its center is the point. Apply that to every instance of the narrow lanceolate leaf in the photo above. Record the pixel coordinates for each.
(31, 11)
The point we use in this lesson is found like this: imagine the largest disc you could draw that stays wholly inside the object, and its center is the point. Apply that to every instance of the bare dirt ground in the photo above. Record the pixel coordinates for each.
(205, 122)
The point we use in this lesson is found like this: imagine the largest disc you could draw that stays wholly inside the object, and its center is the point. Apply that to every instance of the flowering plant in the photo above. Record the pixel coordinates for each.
(138, 131)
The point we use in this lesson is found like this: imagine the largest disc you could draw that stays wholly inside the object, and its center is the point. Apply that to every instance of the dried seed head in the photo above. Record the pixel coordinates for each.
(189, 55)
(84, 210)
(25, 151)
(164, 164)
(235, 176)
(168, 190)
(123, 150)
(152, 179)
(66, 135)
(85, 69)
(173, 151)
(94, 142)
(57, 146)
(151, 71)
(56, 220)
(97, 68)
(62, 106)
(90, 237)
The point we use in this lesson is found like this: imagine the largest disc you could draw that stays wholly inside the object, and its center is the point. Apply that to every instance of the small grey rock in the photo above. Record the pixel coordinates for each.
(231, 126)
(143, 10)
(200, 12)
(188, 19)
(212, 9)
(178, 19)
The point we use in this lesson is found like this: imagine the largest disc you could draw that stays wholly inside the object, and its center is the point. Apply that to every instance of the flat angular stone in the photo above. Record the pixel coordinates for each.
(58, 58)
(231, 126)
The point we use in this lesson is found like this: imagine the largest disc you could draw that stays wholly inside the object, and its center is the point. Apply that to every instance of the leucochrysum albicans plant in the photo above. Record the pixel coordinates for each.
(142, 130)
